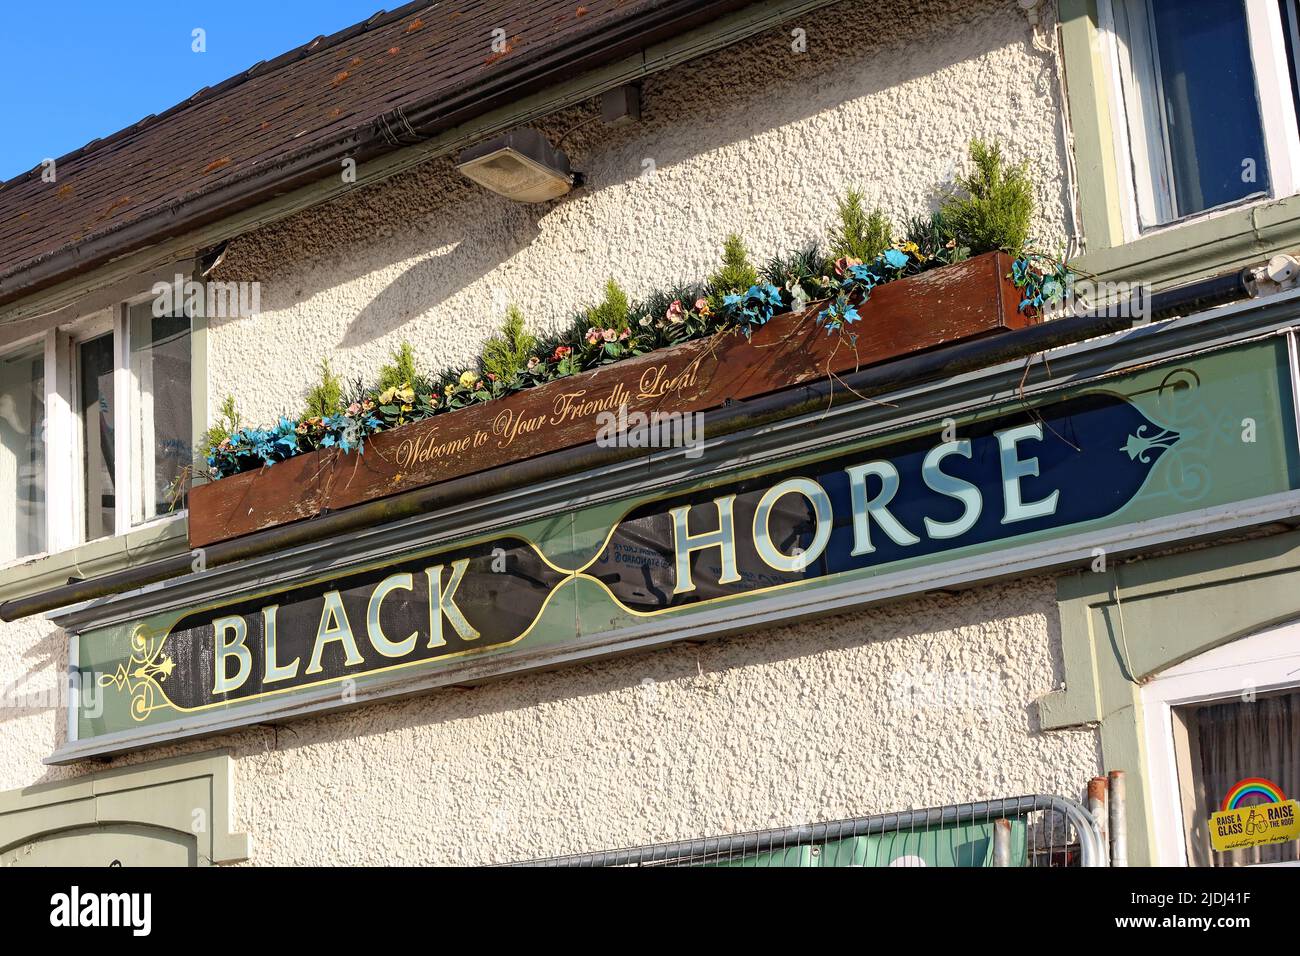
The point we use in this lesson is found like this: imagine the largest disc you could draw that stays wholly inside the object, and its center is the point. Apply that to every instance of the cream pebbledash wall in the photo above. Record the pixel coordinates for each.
(757, 139)
(920, 702)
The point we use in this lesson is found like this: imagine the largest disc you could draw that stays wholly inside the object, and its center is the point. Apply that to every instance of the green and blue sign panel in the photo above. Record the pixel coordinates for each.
(1169, 440)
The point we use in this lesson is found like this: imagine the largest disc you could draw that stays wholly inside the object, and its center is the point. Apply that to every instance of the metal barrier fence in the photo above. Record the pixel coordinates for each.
(1035, 830)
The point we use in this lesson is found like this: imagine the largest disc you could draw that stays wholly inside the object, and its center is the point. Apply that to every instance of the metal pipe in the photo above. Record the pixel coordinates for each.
(1097, 806)
(876, 380)
(1002, 842)
(1118, 820)
(1202, 294)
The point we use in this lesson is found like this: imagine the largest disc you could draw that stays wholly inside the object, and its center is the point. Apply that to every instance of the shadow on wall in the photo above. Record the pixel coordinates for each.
(697, 113)
(438, 277)
(41, 689)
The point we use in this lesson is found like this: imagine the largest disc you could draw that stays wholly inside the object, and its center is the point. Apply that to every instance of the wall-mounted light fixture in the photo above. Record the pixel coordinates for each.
(520, 165)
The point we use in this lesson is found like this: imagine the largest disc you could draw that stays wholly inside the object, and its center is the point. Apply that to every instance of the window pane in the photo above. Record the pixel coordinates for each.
(1291, 34)
(1211, 107)
(22, 454)
(160, 371)
(1229, 742)
(95, 385)
(1192, 105)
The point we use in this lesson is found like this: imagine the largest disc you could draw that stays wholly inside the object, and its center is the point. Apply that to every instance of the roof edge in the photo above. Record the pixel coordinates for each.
(261, 67)
(518, 77)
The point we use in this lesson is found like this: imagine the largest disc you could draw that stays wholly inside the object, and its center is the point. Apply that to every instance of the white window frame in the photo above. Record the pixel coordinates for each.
(8, 350)
(87, 329)
(65, 430)
(128, 442)
(1277, 111)
(1262, 663)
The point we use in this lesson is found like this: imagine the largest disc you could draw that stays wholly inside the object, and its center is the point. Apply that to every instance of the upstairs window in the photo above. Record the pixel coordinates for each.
(95, 429)
(22, 453)
(95, 388)
(1207, 104)
(158, 372)
(1227, 741)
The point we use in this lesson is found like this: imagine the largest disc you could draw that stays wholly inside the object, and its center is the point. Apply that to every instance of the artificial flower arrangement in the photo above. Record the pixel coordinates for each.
(992, 213)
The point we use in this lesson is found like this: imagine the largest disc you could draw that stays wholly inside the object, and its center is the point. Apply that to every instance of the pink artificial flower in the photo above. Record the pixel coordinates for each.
(609, 335)
(354, 409)
(593, 336)
(843, 263)
(675, 313)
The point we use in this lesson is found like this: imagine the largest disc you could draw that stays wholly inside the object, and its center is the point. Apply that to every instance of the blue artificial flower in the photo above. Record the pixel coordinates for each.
(754, 307)
(859, 279)
(837, 314)
(896, 258)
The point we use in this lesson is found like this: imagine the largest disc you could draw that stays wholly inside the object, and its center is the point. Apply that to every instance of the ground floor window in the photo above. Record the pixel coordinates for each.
(1223, 717)
(1219, 744)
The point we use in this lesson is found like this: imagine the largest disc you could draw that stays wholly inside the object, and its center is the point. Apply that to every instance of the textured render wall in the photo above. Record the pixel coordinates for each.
(793, 724)
(33, 711)
(790, 725)
(756, 139)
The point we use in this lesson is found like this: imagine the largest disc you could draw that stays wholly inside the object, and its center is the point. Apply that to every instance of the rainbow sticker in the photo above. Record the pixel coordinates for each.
(1265, 790)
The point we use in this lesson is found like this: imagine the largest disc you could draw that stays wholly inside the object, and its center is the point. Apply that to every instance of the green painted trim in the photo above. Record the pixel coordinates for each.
(1088, 101)
(164, 794)
(1171, 255)
(96, 558)
(1121, 626)
(1206, 247)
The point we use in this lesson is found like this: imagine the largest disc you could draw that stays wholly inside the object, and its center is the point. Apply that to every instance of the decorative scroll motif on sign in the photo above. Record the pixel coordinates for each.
(142, 674)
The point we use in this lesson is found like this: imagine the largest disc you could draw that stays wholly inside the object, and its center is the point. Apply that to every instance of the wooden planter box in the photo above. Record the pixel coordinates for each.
(955, 303)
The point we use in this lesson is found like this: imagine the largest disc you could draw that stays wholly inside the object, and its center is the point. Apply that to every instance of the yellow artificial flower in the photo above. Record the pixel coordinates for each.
(467, 379)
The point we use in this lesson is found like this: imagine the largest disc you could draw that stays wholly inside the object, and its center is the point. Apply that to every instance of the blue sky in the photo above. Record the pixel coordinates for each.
(73, 71)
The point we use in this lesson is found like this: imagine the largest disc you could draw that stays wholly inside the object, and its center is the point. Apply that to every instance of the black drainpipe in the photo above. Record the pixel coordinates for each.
(1200, 295)
(913, 369)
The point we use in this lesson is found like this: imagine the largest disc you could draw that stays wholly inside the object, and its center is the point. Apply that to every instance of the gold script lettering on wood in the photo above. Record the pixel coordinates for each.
(427, 448)
(656, 382)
